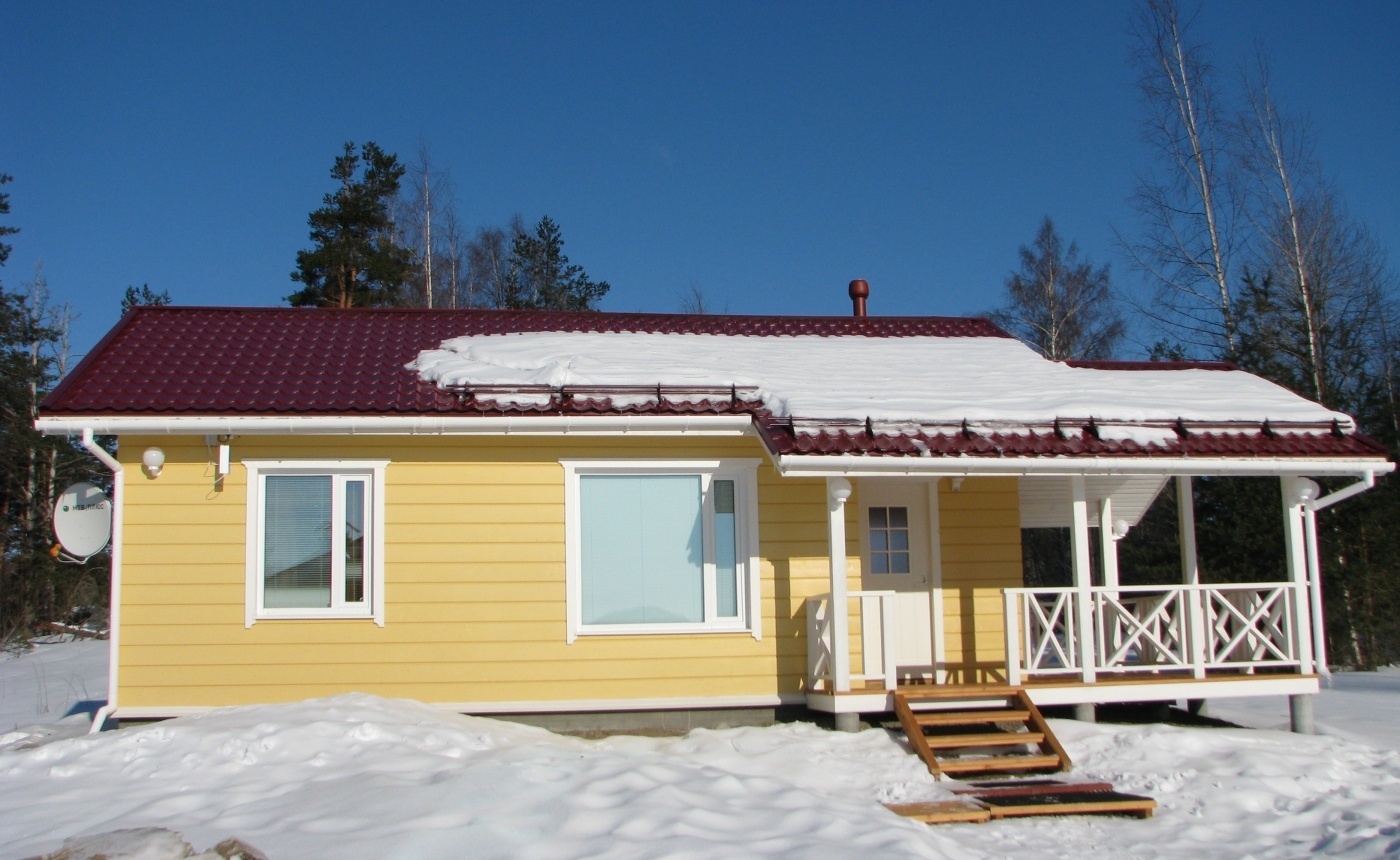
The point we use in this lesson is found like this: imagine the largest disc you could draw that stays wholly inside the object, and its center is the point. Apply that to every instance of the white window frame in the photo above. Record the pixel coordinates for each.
(373, 470)
(744, 474)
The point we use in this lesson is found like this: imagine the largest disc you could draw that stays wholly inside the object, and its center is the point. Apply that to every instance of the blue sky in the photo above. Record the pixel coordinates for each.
(764, 152)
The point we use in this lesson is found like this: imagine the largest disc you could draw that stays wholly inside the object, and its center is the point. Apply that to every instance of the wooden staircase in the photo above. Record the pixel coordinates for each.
(978, 729)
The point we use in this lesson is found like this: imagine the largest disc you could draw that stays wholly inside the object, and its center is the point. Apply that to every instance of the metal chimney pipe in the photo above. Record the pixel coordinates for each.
(859, 292)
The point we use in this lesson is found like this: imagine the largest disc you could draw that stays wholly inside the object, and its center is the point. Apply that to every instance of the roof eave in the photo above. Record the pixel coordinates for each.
(840, 465)
(398, 425)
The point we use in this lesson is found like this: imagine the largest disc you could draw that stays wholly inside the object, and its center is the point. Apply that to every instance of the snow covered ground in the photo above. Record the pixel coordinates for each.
(361, 777)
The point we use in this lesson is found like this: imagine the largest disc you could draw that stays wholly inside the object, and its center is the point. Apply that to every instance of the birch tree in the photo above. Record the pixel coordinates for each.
(1321, 274)
(1188, 203)
(426, 198)
(1058, 303)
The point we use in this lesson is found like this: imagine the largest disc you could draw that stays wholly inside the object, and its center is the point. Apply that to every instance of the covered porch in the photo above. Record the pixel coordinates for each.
(1094, 640)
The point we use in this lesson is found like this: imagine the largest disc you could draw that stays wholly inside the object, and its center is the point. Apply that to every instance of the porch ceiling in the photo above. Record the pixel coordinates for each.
(1045, 500)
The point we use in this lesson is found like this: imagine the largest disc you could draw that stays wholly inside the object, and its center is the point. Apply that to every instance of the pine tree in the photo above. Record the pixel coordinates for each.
(357, 260)
(541, 276)
(33, 586)
(144, 296)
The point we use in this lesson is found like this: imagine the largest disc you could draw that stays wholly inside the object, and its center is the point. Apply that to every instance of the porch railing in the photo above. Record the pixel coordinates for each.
(1150, 629)
(875, 610)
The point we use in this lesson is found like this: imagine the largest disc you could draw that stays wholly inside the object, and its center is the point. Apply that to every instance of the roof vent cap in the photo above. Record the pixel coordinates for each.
(859, 292)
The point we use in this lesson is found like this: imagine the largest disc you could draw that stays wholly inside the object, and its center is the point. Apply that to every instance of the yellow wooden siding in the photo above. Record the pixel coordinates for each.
(980, 530)
(474, 582)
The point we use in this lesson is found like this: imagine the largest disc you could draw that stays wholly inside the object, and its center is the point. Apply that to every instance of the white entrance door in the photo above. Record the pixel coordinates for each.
(895, 550)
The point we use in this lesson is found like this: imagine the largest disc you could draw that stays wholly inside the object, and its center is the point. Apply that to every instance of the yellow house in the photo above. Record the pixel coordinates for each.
(511, 512)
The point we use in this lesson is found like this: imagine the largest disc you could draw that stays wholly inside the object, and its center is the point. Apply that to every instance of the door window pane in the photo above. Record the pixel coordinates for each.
(889, 540)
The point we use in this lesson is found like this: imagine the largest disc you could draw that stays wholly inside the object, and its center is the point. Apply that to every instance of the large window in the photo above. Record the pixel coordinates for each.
(315, 539)
(661, 547)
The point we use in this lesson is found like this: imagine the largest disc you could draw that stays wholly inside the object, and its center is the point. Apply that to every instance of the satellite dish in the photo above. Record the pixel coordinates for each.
(82, 520)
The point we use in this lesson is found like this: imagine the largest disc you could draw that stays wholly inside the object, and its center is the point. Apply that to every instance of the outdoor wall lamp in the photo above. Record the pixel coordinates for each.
(1120, 529)
(1305, 490)
(153, 460)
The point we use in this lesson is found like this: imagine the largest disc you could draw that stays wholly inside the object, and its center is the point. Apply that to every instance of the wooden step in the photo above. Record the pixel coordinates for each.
(998, 764)
(969, 718)
(1078, 803)
(966, 705)
(937, 692)
(1023, 787)
(990, 739)
(942, 811)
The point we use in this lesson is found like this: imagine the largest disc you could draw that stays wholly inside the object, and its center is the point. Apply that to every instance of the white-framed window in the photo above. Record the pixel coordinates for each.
(315, 543)
(661, 546)
(889, 539)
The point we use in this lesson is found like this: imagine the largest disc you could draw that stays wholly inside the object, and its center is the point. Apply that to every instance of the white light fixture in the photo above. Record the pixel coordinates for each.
(153, 460)
(1305, 490)
(1120, 529)
(840, 489)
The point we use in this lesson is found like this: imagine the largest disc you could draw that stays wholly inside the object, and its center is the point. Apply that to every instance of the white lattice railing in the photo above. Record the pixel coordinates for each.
(1195, 628)
(875, 611)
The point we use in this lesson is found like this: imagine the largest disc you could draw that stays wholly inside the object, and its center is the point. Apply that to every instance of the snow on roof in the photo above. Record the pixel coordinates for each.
(989, 381)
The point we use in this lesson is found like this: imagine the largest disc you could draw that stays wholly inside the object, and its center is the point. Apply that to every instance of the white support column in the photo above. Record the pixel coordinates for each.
(1079, 556)
(1107, 543)
(1295, 544)
(1319, 630)
(1191, 575)
(838, 490)
(935, 558)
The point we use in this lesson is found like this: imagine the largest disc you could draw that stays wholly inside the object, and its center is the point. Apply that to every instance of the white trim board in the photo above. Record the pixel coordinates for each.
(855, 466)
(410, 425)
(563, 706)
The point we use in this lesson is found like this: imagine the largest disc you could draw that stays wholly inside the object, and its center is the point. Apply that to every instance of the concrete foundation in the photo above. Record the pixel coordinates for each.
(1085, 713)
(847, 722)
(1197, 707)
(1300, 715)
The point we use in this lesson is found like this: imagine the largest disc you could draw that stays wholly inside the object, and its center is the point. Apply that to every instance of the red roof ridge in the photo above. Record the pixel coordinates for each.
(1178, 364)
(501, 321)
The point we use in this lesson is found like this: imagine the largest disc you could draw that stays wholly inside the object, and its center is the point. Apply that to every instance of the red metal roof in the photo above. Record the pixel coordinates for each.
(305, 361)
(298, 361)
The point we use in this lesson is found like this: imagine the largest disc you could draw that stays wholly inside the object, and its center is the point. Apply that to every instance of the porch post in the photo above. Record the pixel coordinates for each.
(1079, 556)
(1295, 544)
(1191, 575)
(838, 490)
(1319, 630)
(935, 558)
(1107, 544)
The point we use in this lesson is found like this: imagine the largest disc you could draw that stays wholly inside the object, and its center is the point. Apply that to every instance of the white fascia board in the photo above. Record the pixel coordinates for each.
(1165, 691)
(531, 706)
(415, 425)
(826, 466)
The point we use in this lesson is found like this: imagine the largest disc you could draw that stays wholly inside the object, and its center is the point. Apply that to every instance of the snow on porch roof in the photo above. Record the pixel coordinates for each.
(815, 385)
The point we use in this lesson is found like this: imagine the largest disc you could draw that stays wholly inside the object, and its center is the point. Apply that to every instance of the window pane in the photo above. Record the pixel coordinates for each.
(899, 518)
(879, 562)
(297, 541)
(879, 540)
(899, 539)
(726, 552)
(642, 552)
(878, 520)
(899, 562)
(355, 541)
